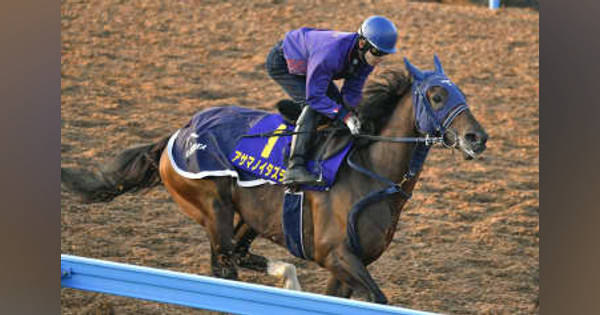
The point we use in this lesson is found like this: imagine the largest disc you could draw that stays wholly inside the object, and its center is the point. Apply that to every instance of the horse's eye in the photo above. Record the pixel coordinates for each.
(437, 98)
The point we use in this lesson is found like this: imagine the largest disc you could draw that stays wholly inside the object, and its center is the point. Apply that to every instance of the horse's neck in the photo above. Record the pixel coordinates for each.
(391, 159)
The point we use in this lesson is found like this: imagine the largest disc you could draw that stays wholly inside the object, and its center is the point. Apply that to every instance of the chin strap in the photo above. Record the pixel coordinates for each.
(362, 51)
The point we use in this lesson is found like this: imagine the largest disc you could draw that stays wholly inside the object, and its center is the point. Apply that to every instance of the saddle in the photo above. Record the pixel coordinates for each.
(325, 144)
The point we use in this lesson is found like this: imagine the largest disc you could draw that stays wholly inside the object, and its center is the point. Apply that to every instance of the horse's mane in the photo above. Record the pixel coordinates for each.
(381, 96)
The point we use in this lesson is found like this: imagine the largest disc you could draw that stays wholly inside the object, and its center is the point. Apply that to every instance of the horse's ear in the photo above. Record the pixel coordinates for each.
(438, 64)
(416, 73)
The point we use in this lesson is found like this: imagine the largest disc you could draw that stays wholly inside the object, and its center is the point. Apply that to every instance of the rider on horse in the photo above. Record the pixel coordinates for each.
(306, 62)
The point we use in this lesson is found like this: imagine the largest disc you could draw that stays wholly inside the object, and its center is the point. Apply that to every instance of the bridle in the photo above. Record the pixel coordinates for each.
(423, 143)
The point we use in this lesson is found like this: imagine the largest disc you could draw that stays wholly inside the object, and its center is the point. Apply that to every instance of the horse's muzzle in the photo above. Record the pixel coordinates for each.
(473, 143)
(476, 140)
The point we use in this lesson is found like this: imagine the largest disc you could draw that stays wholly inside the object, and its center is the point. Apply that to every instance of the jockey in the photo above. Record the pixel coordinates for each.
(306, 62)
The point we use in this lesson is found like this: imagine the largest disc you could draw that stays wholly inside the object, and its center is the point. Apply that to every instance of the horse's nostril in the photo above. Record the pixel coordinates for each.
(484, 138)
(476, 138)
(472, 138)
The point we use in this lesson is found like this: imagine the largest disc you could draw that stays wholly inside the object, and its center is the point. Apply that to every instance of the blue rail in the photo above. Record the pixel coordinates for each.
(204, 292)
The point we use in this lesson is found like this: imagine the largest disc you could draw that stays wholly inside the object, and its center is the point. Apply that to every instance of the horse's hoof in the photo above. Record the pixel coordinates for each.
(227, 273)
(252, 261)
(222, 266)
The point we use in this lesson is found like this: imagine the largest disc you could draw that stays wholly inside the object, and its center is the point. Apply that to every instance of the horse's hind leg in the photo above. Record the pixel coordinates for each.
(244, 235)
(208, 203)
(349, 269)
(337, 288)
(221, 234)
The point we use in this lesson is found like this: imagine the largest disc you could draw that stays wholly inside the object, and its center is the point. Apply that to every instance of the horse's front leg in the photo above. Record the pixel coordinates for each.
(349, 269)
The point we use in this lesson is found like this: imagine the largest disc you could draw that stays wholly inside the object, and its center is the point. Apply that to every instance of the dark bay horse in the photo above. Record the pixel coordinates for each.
(217, 202)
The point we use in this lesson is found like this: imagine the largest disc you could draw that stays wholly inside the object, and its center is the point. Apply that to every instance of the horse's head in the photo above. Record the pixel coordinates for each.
(441, 110)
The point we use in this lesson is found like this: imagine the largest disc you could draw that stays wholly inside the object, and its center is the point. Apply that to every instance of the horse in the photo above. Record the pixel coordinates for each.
(216, 203)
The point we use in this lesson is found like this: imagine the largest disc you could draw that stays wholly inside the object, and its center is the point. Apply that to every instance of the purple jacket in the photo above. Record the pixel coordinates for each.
(323, 56)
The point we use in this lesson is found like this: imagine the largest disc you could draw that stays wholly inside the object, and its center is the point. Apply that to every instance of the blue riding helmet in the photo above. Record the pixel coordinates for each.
(380, 33)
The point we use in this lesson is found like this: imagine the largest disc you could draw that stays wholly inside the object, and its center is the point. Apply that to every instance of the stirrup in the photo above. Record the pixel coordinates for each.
(317, 182)
(311, 183)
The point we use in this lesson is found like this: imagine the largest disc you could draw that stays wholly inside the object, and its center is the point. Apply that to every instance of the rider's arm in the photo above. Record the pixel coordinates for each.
(352, 88)
(318, 77)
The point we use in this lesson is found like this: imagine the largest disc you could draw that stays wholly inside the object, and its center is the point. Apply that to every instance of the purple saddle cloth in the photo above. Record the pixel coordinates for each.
(242, 143)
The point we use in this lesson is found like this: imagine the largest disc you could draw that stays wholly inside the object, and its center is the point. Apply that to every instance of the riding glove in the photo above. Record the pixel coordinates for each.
(352, 122)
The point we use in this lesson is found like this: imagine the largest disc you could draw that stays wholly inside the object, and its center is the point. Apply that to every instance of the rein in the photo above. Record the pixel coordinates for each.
(416, 161)
(427, 140)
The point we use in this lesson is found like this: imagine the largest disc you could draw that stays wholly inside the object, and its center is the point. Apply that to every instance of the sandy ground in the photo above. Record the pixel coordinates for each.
(136, 70)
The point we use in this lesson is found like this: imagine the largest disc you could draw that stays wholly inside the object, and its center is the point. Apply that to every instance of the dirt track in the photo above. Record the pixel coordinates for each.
(134, 71)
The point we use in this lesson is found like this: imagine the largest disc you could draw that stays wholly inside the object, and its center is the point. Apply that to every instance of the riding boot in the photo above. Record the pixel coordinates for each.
(296, 172)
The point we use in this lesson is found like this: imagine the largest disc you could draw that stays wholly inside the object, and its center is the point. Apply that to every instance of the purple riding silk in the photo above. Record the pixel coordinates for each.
(214, 143)
(323, 56)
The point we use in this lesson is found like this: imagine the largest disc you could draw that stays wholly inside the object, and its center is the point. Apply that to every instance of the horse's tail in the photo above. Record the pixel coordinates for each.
(132, 170)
